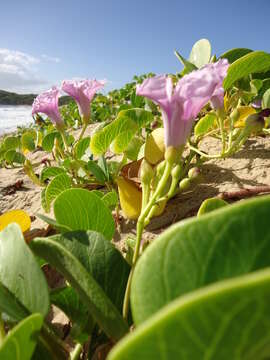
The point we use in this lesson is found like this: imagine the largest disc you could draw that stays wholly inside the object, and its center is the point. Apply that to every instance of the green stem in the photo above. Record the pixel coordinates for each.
(140, 226)
(2, 330)
(145, 194)
(64, 138)
(215, 156)
(221, 117)
(76, 352)
(83, 131)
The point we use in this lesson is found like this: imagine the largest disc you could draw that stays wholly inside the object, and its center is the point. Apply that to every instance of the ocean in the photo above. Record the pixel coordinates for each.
(12, 116)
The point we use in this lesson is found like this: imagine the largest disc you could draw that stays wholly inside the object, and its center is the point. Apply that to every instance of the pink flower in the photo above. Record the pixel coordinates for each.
(47, 103)
(180, 105)
(82, 92)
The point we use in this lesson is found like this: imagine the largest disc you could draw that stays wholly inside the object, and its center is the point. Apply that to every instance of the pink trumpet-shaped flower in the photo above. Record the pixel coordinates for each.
(47, 103)
(82, 92)
(180, 105)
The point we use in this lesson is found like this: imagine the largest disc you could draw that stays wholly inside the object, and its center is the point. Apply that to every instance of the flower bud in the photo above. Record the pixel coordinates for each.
(176, 171)
(173, 154)
(185, 184)
(146, 172)
(194, 173)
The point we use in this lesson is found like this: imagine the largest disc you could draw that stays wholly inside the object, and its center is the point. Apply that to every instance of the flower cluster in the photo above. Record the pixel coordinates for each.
(81, 91)
(181, 104)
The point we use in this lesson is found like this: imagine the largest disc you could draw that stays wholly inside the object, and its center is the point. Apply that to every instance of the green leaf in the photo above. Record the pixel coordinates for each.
(54, 224)
(81, 147)
(101, 259)
(28, 140)
(21, 341)
(111, 199)
(133, 148)
(223, 244)
(20, 273)
(266, 100)
(209, 205)
(12, 156)
(57, 185)
(201, 53)
(11, 143)
(95, 169)
(204, 124)
(228, 320)
(50, 172)
(257, 61)
(80, 209)
(100, 306)
(235, 54)
(10, 305)
(188, 66)
(120, 131)
(69, 302)
(48, 140)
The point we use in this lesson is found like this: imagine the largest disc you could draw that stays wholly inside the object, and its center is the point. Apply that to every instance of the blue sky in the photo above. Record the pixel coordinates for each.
(43, 42)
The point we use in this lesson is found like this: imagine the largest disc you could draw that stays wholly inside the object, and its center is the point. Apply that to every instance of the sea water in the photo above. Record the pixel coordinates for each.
(12, 116)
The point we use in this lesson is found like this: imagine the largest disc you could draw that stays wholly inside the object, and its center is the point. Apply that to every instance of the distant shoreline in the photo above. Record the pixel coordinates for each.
(11, 98)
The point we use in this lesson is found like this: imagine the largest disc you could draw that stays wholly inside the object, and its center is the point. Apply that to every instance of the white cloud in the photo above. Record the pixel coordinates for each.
(19, 72)
(50, 58)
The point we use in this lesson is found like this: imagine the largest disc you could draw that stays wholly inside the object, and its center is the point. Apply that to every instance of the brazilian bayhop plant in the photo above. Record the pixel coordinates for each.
(200, 290)
(180, 106)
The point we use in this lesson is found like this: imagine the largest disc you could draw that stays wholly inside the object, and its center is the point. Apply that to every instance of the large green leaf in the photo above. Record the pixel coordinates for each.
(80, 209)
(13, 156)
(222, 244)
(254, 62)
(21, 341)
(228, 320)
(48, 140)
(50, 172)
(201, 53)
(204, 124)
(101, 259)
(120, 131)
(10, 305)
(57, 185)
(81, 147)
(20, 273)
(235, 54)
(28, 140)
(11, 143)
(90, 292)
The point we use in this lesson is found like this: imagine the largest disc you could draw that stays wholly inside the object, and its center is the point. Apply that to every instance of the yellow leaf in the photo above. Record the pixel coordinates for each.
(244, 112)
(130, 198)
(155, 146)
(15, 216)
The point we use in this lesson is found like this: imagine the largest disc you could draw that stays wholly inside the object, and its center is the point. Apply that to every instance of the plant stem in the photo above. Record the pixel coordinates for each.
(76, 352)
(140, 226)
(83, 131)
(145, 194)
(215, 156)
(2, 330)
(221, 118)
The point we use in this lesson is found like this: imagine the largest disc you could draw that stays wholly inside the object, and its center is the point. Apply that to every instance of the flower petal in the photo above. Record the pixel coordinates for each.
(159, 89)
(82, 92)
(47, 103)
